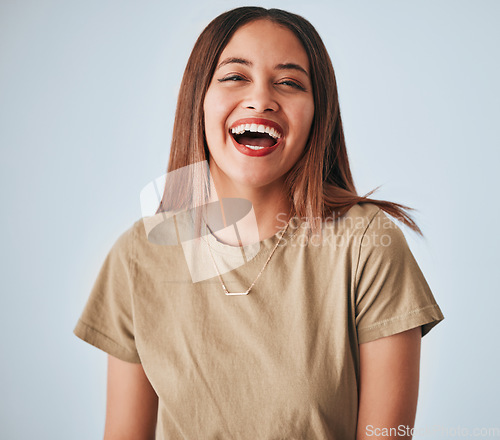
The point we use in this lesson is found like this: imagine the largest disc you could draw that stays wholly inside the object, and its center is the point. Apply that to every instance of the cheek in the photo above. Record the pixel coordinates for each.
(304, 118)
(216, 112)
(208, 111)
(215, 108)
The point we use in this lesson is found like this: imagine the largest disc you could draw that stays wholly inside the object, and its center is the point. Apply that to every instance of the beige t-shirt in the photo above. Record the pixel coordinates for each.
(279, 363)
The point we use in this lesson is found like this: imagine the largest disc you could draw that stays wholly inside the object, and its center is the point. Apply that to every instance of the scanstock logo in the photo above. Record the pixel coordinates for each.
(193, 215)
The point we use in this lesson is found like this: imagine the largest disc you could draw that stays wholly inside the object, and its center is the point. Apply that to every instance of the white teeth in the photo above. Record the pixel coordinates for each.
(254, 147)
(240, 129)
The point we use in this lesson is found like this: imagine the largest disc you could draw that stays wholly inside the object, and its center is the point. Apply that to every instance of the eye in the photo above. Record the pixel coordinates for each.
(232, 78)
(293, 84)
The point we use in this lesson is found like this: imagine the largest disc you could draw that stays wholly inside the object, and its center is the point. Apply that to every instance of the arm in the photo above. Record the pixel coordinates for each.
(132, 403)
(389, 376)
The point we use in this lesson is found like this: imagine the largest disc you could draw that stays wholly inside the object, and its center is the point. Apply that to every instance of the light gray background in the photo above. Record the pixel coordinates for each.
(87, 99)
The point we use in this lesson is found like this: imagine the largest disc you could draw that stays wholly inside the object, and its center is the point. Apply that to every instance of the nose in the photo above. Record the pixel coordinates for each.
(261, 99)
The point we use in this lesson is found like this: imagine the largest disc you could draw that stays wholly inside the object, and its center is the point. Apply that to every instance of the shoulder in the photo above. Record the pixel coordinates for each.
(360, 220)
(145, 234)
(151, 240)
(361, 215)
(379, 241)
(368, 230)
(159, 229)
(370, 220)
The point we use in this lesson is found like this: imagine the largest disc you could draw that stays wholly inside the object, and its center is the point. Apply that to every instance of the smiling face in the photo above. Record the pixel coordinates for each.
(259, 106)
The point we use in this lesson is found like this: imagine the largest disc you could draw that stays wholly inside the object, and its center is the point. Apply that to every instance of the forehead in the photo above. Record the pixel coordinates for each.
(266, 40)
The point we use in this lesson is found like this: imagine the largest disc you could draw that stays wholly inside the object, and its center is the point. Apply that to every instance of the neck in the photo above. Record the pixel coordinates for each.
(270, 210)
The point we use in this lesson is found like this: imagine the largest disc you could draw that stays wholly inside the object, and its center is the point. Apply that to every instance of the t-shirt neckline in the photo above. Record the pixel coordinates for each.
(254, 248)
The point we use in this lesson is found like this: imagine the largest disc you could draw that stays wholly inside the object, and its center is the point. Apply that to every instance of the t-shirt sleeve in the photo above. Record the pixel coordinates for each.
(107, 319)
(392, 294)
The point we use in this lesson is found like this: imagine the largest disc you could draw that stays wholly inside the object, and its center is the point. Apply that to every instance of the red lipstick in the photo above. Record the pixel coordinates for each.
(258, 121)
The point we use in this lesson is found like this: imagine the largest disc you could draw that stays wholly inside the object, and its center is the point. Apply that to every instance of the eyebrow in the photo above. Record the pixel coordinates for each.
(285, 66)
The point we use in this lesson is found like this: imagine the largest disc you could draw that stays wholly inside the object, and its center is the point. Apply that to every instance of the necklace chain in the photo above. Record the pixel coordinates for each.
(224, 288)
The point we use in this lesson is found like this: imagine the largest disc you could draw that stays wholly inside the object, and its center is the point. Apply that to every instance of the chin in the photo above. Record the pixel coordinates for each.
(253, 180)
(241, 174)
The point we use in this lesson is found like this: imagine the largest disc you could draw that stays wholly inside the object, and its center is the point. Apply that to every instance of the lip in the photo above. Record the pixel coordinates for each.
(259, 121)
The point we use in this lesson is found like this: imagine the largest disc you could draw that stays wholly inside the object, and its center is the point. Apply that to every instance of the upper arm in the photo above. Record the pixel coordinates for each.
(132, 403)
(389, 379)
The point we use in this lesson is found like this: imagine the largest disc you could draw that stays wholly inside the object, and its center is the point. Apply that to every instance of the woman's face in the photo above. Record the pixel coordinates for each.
(259, 105)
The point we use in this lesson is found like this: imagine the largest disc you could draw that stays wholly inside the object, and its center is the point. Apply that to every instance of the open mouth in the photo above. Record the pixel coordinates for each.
(255, 136)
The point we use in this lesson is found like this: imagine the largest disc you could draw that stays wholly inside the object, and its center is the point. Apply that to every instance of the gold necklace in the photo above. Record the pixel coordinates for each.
(224, 288)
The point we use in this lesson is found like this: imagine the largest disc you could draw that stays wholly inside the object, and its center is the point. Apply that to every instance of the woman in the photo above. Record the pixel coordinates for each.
(304, 339)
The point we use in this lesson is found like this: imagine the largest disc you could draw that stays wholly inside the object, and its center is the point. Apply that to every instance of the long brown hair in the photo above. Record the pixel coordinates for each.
(320, 184)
